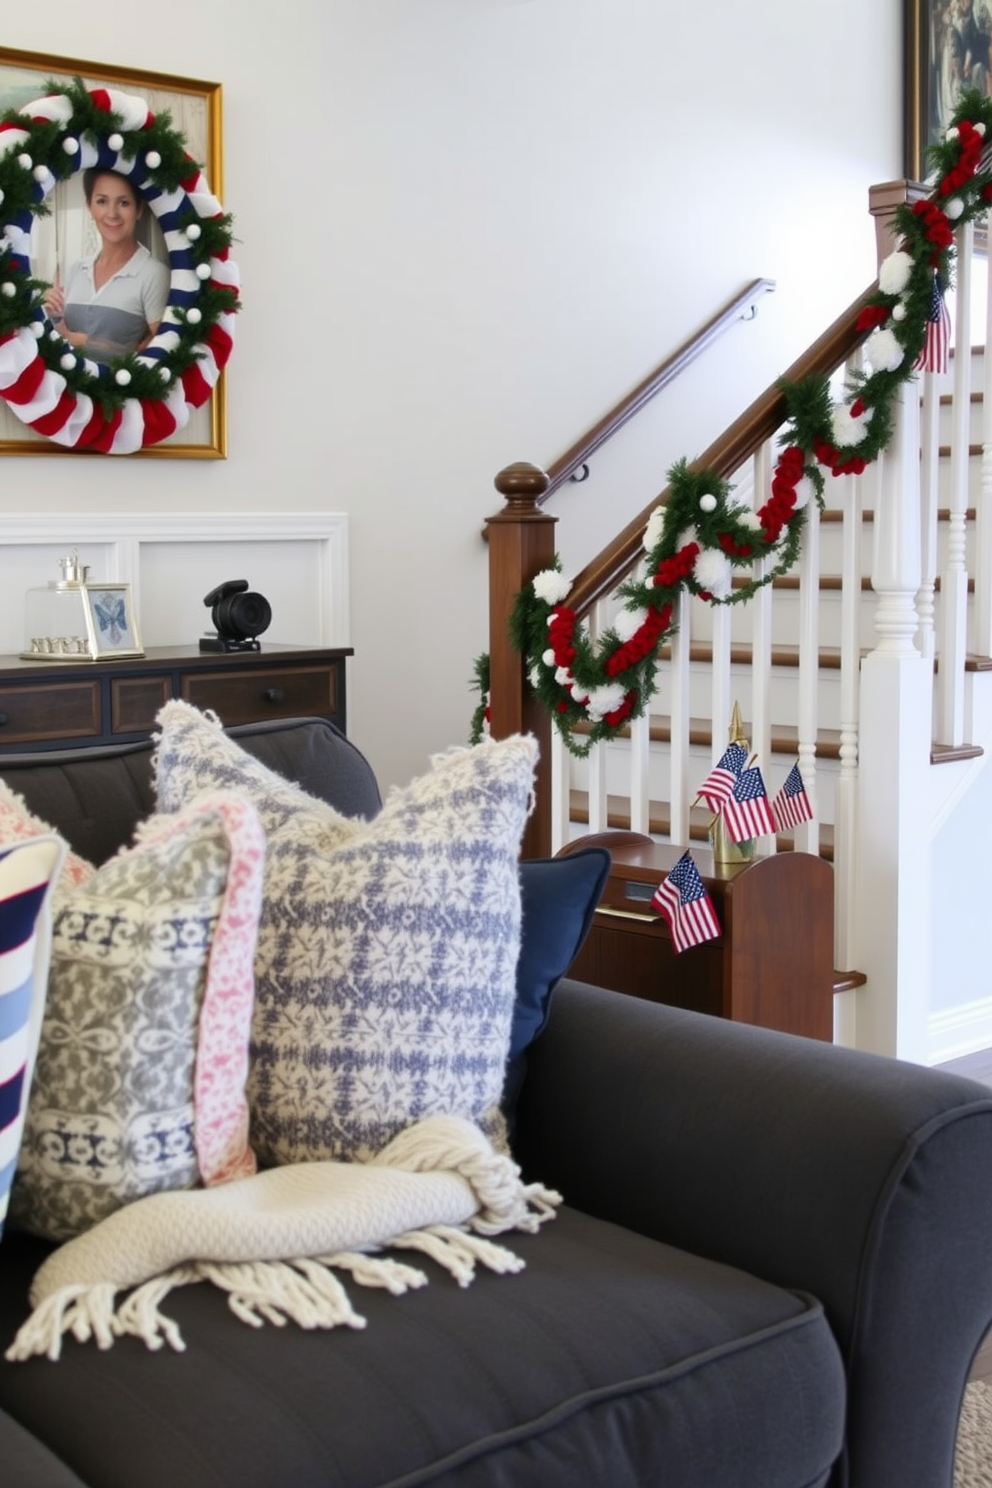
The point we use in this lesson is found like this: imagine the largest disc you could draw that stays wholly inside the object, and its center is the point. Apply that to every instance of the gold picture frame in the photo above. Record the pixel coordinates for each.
(195, 109)
(946, 48)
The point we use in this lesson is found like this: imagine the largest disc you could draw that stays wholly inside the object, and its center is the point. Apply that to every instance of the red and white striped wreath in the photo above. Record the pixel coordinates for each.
(142, 397)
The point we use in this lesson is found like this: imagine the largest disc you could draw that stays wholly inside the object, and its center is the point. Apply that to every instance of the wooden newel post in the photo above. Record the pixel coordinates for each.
(521, 543)
(882, 202)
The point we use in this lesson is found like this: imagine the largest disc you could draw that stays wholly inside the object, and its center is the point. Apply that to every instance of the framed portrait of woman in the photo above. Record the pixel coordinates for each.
(948, 48)
(87, 215)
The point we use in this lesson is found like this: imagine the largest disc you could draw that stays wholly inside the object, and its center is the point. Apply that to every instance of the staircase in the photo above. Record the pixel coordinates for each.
(869, 664)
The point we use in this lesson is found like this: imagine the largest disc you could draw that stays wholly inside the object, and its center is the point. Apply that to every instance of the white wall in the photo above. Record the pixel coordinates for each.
(468, 226)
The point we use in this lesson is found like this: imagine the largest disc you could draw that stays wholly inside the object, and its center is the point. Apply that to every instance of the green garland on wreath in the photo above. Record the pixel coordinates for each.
(704, 535)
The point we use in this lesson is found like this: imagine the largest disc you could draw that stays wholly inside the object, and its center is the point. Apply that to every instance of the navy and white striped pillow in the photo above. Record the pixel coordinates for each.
(27, 870)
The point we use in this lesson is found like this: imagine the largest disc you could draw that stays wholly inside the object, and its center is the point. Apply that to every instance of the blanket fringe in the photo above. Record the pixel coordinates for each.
(139, 1317)
(301, 1291)
(458, 1250)
(376, 1271)
(84, 1311)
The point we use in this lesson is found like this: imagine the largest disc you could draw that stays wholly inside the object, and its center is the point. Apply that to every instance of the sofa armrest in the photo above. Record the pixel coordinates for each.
(861, 1179)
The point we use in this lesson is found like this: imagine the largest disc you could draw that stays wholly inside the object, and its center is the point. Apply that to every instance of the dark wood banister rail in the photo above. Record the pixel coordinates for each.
(672, 367)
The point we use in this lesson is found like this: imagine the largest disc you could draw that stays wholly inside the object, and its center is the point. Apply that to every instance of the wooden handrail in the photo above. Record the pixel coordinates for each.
(581, 451)
(725, 455)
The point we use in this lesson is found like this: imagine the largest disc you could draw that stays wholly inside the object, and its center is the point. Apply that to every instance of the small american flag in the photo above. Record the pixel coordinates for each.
(792, 806)
(719, 783)
(933, 357)
(747, 812)
(683, 900)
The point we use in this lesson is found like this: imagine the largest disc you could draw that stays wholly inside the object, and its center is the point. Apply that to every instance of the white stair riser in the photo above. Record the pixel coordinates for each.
(783, 699)
(832, 545)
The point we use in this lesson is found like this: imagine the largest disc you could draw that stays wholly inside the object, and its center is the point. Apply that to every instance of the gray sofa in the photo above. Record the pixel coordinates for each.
(772, 1269)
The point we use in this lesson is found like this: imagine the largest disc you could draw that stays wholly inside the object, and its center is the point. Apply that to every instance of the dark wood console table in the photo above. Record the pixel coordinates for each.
(773, 964)
(62, 704)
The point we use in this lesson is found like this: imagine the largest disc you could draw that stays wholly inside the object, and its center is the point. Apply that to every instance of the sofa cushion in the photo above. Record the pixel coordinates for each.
(140, 1080)
(27, 871)
(27, 1463)
(610, 1360)
(387, 950)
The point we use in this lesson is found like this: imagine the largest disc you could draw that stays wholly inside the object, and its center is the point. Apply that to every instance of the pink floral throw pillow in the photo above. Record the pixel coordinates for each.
(140, 1079)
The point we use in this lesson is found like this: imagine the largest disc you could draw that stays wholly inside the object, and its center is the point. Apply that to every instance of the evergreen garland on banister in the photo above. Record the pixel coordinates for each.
(706, 533)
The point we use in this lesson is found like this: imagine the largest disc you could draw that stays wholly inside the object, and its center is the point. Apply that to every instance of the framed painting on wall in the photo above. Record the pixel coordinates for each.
(69, 234)
(948, 46)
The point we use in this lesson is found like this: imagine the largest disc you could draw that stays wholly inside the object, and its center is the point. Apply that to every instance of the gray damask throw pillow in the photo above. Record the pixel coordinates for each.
(387, 950)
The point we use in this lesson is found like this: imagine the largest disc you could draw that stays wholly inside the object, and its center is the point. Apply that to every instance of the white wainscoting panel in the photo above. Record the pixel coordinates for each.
(298, 560)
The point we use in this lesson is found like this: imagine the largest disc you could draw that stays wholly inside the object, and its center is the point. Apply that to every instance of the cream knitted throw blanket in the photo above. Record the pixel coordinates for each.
(274, 1241)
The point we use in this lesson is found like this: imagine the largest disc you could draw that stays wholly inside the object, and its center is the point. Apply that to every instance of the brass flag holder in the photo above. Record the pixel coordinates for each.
(725, 849)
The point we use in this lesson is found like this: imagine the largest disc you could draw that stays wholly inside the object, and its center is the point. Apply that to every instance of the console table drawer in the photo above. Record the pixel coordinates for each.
(286, 692)
(49, 711)
(135, 701)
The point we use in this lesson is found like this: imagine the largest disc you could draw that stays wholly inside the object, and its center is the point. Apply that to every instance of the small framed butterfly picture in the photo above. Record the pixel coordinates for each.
(110, 624)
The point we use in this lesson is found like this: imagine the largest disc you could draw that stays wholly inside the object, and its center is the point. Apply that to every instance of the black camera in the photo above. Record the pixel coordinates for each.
(238, 615)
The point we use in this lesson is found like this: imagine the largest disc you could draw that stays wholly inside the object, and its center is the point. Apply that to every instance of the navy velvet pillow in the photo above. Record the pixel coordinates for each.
(558, 898)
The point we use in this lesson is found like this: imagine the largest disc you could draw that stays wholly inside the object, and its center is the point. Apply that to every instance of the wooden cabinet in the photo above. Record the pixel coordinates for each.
(57, 705)
(773, 964)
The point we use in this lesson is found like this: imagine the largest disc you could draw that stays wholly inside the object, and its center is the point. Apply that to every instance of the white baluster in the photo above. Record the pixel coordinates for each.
(598, 755)
(679, 791)
(561, 792)
(983, 524)
(846, 790)
(721, 700)
(761, 642)
(929, 502)
(807, 834)
(639, 767)
(952, 640)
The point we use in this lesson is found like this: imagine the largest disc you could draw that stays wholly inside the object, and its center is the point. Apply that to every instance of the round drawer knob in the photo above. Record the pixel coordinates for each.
(273, 694)
(4, 718)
